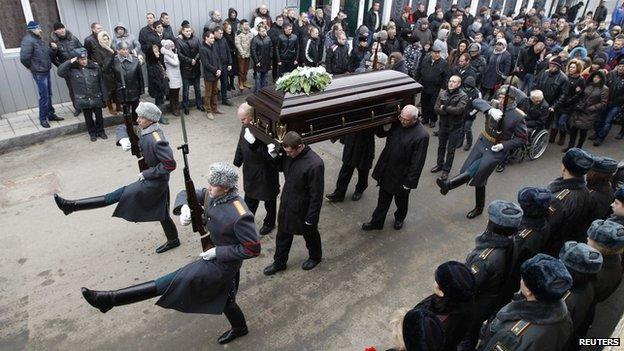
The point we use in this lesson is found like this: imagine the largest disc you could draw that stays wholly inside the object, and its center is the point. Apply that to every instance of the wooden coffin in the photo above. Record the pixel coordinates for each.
(350, 103)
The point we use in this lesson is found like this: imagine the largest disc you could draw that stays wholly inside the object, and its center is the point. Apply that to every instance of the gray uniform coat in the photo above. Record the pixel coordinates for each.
(204, 286)
(609, 277)
(260, 176)
(148, 200)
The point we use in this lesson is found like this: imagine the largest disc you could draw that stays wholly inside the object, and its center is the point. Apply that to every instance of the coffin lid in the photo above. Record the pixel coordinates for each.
(347, 89)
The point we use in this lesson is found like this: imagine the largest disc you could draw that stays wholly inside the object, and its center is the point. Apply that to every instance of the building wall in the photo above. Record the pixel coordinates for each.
(19, 90)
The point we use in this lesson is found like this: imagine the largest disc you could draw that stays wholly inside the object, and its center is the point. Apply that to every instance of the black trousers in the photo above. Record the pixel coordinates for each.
(283, 242)
(285, 67)
(574, 131)
(427, 101)
(232, 311)
(169, 227)
(344, 177)
(450, 136)
(383, 205)
(132, 105)
(71, 94)
(269, 206)
(93, 127)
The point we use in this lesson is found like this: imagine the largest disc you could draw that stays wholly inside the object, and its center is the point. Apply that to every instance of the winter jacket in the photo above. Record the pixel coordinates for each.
(266, 17)
(337, 59)
(234, 22)
(373, 21)
(313, 55)
(261, 53)
(554, 85)
(243, 44)
(128, 75)
(615, 82)
(451, 105)
(536, 115)
(65, 47)
(600, 15)
(576, 86)
(210, 61)
(128, 38)
(423, 36)
(260, 176)
(223, 50)
(188, 50)
(91, 43)
(393, 45)
(172, 67)
(104, 56)
(157, 85)
(86, 82)
(211, 24)
(589, 109)
(433, 75)
(412, 56)
(478, 65)
(592, 42)
(527, 60)
(287, 48)
(35, 54)
(496, 69)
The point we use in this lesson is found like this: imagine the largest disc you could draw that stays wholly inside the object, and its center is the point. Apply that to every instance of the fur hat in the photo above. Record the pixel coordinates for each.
(422, 330)
(604, 165)
(505, 213)
(607, 233)
(455, 280)
(577, 161)
(580, 257)
(381, 58)
(619, 194)
(222, 174)
(383, 35)
(534, 200)
(149, 111)
(546, 277)
(474, 47)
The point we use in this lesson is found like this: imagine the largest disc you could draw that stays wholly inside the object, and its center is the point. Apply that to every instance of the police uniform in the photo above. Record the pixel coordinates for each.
(601, 193)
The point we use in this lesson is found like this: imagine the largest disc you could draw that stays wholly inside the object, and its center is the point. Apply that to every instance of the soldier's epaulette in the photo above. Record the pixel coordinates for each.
(484, 255)
(526, 232)
(156, 136)
(520, 112)
(566, 295)
(520, 327)
(239, 207)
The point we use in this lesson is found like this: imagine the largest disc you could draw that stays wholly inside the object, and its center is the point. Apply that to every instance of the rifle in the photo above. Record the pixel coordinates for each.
(376, 50)
(191, 197)
(127, 112)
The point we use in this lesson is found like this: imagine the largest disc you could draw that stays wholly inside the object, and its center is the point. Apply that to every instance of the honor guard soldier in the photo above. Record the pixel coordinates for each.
(260, 176)
(147, 199)
(599, 185)
(504, 131)
(491, 262)
(208, 285)
(570, 207)
(608, 238)
(537, 321)
(582, 262)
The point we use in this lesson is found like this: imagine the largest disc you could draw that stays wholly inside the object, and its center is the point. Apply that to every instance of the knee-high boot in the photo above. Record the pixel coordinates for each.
(105, 300)
(480, 203)
(452, 183)
(69, 206)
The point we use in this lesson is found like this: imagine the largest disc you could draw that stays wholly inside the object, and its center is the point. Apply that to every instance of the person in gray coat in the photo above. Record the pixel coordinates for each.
(147, 199)
(121, 34)
(207, 285)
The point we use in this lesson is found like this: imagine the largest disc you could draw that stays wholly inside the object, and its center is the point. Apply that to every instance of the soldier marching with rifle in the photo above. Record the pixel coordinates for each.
(147, 199)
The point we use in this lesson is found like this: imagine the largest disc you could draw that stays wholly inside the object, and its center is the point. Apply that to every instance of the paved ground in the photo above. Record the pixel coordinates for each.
(344, 304)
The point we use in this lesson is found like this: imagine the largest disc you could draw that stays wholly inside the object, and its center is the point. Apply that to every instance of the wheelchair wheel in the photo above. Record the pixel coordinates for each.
(539, 144)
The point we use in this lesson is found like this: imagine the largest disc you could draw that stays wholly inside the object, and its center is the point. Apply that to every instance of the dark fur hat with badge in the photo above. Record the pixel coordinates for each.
(546, 277)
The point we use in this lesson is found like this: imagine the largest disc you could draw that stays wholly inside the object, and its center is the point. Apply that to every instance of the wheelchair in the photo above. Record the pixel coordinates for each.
(534, 149)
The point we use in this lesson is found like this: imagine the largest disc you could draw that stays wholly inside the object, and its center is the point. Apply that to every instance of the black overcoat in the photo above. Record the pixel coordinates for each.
(260, 175)
(86, 82)
(359, 149)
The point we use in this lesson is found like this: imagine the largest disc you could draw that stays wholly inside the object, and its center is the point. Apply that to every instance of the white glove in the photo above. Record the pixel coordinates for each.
(185, 215)
(249, 136)
(209, 255)
(271, 150)
(125, 144)
(496, 114)
(406, 188)
(141, 177)
(387, 127)
(497, 147)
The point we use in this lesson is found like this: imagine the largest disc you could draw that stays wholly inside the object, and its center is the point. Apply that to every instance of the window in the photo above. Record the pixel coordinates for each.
(14, 16)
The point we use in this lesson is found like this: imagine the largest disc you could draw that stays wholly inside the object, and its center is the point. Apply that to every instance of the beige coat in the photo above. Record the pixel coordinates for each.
(243, 44)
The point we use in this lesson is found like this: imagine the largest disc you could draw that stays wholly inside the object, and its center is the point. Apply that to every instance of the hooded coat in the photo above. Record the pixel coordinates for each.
(496, 69)
(172, 67)
(133, 43)
(104, 55)
(424, 36)
(234, 22)
(594, 101)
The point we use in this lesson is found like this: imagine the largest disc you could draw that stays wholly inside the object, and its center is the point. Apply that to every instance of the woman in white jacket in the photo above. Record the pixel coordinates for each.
(172, 66)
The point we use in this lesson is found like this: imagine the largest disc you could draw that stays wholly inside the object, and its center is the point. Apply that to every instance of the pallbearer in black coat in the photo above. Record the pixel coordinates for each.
(208, 285)
(260, 176)
(399, 166)
(300, 203)
(147, 199)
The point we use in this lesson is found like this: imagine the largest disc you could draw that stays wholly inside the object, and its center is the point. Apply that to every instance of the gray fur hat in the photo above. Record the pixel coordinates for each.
(222, 174)
(436, 47)
(149, 111)
(381, 58)
(122, 45)
(580, 257)
(604, 165)
(607, 233)
(546, 277)
(505, 213)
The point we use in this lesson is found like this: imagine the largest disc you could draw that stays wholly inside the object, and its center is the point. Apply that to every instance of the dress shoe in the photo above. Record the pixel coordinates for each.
(93, 137)
(232, 334)
(356, 196)
(371, 226)
(333, 197)
(309, 264)
(201, 108)
(436, 133)
(45, 124)
(477, 211)
(398, 224)
(274, 268)
(266, 229)
(226, 103)
(103, 135)
(436, 169)
(210, 116)
(77, 112)
(55, 118)
(186, 111)
(444, 175)
(170, 244)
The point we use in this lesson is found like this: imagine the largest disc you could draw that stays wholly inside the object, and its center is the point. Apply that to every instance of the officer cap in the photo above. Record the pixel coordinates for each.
(222, 174)
(580, 257)
(534, 200)
(577, 161)
(604, 165)
(149, 111)
(505, 213)
(422, 330)
(607, 233)
(455, 280)
(546, 277)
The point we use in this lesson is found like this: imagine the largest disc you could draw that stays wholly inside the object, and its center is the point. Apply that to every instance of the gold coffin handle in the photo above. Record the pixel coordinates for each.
(372, 115)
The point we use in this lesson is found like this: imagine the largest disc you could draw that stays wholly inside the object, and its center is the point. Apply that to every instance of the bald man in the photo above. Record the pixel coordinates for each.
(399, 166)
(260, 176)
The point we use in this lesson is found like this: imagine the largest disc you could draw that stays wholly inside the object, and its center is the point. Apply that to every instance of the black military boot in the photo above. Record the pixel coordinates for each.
(449, 184)
(480, 203)
(69, 206)
(105, 300)
(335, 197)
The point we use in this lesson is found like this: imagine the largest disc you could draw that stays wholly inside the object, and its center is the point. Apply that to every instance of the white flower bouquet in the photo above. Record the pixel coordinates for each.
(304, 80)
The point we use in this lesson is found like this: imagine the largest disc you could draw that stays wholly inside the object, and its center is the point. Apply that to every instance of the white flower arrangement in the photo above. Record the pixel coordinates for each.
(304, 80)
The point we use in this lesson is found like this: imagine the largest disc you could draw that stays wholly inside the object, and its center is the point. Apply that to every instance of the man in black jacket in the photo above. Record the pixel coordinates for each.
(91, 42)
(300, 203)
(554, 84)
(399, 166)
(274, 33)
(145, 31)
(167, 30)
(287, 50)
(432, 74)
(211, 65)
(615, 82)
(373, 21)
(337, 56)
(129, 78)
(527, 60)
(63, 44)
(223, 50)
(190, 66)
